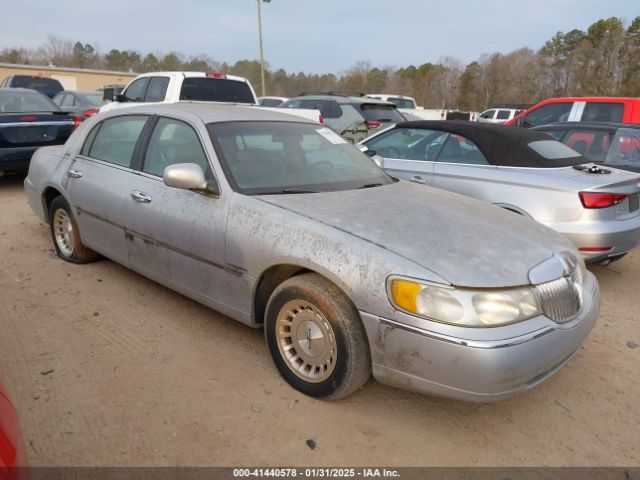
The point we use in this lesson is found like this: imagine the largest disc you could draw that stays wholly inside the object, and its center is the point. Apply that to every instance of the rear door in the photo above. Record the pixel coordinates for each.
(99, 183)
(601, 111)
(461, 167)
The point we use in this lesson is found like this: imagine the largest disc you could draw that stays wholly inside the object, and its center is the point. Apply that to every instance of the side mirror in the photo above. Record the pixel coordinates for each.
(189, 176)
(119, 97)
(366, 150)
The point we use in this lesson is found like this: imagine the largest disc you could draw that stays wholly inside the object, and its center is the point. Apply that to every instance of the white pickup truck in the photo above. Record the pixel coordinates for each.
(170, 87)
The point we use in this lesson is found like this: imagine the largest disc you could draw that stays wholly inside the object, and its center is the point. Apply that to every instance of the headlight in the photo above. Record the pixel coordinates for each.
(463, 307)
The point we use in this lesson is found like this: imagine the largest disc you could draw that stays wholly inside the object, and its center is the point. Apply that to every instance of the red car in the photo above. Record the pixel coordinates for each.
(12, 451)
(580, 109)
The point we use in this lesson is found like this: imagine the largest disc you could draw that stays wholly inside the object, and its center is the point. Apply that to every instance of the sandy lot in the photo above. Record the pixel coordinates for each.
(140, 375)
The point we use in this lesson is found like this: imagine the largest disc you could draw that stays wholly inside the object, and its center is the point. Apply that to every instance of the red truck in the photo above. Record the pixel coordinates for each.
(580, 109)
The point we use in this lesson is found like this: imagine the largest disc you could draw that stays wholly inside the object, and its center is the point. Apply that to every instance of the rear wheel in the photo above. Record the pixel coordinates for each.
(66, 235)
(316, 338)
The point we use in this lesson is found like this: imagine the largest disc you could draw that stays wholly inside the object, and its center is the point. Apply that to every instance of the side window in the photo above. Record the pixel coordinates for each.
(328, 108)
(625, 148)
(57, 99)
(550, 113)
(593, 145)
(157, 89)
(488, 114)
(503, 115)
(173, 142)
(458, 149)
(68, 100)
(116, 139)
(409, 144)
(603, 112)
(135, 91)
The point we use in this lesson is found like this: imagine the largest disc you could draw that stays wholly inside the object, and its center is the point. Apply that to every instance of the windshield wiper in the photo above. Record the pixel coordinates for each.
(292, 190)
(370, 185)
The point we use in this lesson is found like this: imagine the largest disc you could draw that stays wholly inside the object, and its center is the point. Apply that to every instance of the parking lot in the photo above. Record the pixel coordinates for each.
(109, 368)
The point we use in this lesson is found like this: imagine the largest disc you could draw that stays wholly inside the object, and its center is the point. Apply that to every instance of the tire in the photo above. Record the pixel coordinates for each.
(310, 318)
(66, 235)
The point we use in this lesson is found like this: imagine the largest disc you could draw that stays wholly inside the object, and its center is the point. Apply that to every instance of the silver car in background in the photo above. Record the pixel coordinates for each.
(523, 171)
(283, 225)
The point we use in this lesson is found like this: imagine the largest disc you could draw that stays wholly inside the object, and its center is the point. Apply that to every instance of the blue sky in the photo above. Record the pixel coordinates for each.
(309, 36)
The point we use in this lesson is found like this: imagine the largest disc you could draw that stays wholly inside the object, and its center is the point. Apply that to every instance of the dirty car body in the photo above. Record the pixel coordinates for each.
(286, 200)
(522, 171)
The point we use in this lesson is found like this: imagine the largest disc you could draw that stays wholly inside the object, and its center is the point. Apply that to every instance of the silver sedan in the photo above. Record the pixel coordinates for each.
(283, 225)
(523, 171)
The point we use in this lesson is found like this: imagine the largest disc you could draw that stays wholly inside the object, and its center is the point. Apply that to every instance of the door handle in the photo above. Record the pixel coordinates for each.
(140, 197)
(418, 179)
(74, 173)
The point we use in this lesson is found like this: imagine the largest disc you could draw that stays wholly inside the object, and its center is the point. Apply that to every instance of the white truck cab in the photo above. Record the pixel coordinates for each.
(171, 87)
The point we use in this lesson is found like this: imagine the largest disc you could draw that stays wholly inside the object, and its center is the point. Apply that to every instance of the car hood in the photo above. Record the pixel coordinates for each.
(465, 241)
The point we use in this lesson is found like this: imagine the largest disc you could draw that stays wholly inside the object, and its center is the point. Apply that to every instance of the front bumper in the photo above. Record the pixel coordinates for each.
(488, 370)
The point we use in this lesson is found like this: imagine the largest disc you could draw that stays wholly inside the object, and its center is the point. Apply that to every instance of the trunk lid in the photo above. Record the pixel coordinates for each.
(34, 129)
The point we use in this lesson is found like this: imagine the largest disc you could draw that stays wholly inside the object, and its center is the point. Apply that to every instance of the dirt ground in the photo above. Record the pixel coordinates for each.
(140, 375)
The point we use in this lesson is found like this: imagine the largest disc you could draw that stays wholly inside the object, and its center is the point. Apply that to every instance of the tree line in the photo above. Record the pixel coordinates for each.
(604, 60)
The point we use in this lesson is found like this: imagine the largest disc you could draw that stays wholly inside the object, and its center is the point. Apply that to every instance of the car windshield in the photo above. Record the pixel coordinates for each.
(284, 157)
(11, 102)
(625, 148)
(209, 89)
(402, 102)
(375, 112)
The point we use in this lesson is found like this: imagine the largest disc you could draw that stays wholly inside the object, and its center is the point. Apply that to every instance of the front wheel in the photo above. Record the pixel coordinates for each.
(66, 235)
(316, 337)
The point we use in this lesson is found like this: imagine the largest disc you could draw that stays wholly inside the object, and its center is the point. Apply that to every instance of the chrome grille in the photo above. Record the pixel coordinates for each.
(561, 299)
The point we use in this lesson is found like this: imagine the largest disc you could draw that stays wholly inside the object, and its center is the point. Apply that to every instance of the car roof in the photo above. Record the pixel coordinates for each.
(587, 99)
(22, 91)
(348, 98)
(193, 74)
(212, 112)
(604, 126)
(500, 144)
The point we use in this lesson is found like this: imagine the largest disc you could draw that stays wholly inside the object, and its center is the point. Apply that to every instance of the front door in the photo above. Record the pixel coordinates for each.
(177, 237)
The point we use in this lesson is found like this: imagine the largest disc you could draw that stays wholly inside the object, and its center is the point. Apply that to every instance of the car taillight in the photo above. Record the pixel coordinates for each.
(601, 199)
(215, 75)
(76, 121)
(595, 249)
(90, 112)
(372, 124)
(28, 118)
(321, 119)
